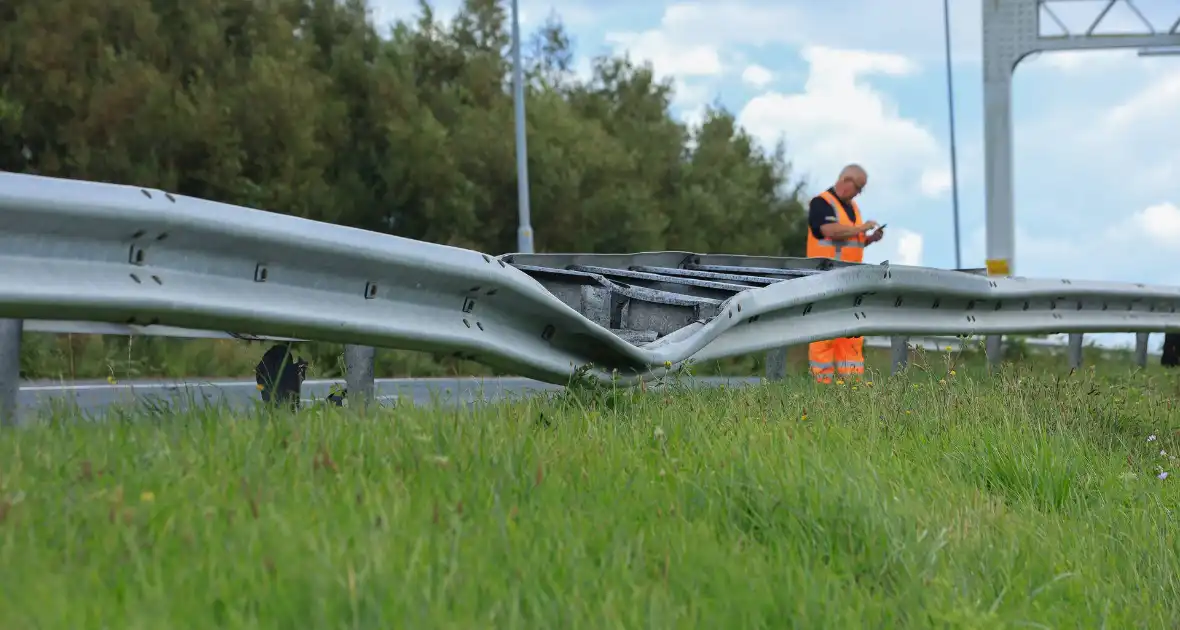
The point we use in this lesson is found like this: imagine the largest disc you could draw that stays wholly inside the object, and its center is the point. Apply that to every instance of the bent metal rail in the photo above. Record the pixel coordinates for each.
(129, 256)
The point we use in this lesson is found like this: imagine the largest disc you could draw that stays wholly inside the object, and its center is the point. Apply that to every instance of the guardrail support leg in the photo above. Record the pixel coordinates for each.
(1141, 340)
(359, 364)
(10, 334)
(776, 364)
(900, 353)
(995, 350)
(1075, 351)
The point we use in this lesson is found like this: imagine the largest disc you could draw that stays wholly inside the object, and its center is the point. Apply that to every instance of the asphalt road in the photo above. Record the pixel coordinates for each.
(99, 397)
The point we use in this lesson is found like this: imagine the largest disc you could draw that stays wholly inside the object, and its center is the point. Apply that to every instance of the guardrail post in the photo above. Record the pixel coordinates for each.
(994, 347)
(776, 364)
(358, 378)
(900, 353)
(1141, 340)
(10, 334)
(1075, 351)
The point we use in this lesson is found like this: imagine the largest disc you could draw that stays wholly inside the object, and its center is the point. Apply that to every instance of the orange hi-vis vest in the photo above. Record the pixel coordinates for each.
(850, 250)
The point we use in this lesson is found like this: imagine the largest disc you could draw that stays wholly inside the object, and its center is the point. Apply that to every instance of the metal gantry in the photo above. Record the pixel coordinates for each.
(1013, 30)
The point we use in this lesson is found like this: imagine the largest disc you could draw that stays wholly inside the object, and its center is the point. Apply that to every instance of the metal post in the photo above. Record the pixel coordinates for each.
(358, 364)
(524, 232)
(994, 349)
(950, 105)
(900, 353)
(1141, 340)
(1075, 351)
(999, 64)
(776, 364)
(10, 334)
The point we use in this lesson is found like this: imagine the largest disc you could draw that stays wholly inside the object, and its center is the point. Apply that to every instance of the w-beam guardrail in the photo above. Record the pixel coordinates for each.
(84, 251)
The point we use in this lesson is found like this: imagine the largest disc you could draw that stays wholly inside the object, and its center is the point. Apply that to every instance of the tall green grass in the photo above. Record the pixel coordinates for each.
(944, 497)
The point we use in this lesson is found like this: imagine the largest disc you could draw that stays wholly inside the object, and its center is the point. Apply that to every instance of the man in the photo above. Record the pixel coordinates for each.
(835, 231)
(279, 378)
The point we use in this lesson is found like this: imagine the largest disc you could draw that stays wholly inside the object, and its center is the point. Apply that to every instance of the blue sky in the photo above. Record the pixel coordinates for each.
(1097, 134)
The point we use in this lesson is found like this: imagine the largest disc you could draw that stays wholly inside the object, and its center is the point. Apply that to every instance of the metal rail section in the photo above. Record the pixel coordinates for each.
(129, 256)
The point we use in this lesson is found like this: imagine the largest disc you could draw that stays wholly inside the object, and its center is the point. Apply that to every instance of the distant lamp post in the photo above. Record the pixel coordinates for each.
(950, 99)
(524, 231)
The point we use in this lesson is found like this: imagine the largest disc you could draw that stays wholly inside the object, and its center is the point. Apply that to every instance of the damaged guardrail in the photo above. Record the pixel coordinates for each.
(129, 256)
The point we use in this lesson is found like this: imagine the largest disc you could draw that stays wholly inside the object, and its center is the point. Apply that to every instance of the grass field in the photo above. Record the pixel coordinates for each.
(938, 498)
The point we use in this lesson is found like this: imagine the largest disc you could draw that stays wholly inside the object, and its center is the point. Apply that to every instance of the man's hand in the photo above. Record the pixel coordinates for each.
(875, 236)
(868, 225)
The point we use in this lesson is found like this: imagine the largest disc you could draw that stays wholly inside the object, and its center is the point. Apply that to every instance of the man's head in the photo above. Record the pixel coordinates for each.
(851, 182)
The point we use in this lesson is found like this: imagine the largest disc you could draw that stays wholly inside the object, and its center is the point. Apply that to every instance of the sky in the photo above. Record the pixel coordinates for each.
(1096, 133)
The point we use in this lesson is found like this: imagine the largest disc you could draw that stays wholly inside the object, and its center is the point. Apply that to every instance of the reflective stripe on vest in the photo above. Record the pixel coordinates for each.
(851, 250)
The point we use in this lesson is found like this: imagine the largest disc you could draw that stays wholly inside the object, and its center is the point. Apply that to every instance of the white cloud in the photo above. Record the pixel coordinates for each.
(1158, 224)
(1121, 114)
(936, 181)
(909, 27)
(757, 76)
(1138, 139)
(909, 247)
(694, 43)
(1080, 61)
(667, 56)
(1160, 99)
(839, 118)
(900, 247)
(721, 23)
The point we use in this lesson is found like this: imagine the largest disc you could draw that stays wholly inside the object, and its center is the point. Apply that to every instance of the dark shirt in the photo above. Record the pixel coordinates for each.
(821, 212)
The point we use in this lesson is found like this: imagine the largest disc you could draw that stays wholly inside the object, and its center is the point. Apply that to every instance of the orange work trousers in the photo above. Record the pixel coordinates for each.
(844, 357)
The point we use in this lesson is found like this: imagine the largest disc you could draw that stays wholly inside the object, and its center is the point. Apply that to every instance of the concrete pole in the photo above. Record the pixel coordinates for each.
(1141, 340)
(359, 365)
(776, 364)
(900, 353)
(1075, 351)
(994, 349)
(10, 337)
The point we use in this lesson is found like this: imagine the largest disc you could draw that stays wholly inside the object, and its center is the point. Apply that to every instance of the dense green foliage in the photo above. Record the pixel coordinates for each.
(306, 107)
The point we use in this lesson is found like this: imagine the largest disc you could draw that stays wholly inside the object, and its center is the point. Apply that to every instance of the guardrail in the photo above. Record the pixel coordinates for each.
(940, 344)
(84, 251)
(1073, 347)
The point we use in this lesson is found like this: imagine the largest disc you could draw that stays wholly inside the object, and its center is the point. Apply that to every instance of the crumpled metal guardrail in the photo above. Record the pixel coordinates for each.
(85, 251)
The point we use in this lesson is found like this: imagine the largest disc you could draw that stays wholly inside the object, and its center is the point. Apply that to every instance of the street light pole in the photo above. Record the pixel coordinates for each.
(950, 98)
(524, 231)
